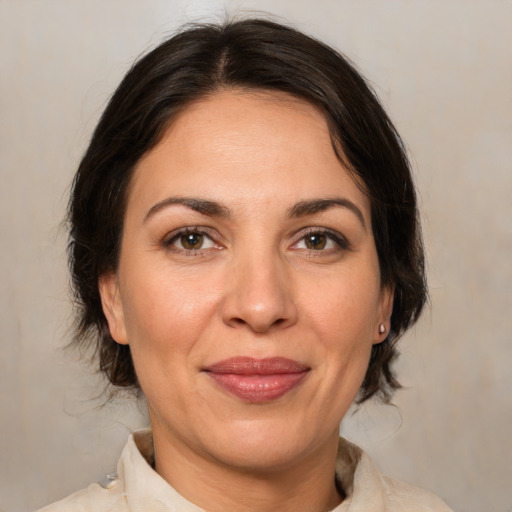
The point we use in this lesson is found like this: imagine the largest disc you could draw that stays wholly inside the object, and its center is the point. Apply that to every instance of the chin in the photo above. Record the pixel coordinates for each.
(262, 446)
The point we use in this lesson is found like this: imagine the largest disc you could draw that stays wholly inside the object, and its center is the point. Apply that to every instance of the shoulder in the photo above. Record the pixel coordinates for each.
(367, 489)
(111, 494)
(94, 498)
(407, 498)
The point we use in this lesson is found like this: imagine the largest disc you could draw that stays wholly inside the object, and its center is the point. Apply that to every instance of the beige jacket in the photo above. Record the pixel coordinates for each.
(138, 488)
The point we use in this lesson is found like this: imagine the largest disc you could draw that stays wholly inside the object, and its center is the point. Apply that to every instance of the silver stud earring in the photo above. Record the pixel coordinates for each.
(382, 329)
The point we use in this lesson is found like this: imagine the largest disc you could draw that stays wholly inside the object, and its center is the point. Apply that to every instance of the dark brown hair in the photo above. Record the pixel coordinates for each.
(250, 54)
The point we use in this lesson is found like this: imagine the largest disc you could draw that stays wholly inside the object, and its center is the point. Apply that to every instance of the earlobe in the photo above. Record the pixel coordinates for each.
(112, 307)
(384, 318)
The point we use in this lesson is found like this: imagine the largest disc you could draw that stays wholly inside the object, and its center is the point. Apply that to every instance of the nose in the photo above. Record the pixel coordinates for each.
(259, 295)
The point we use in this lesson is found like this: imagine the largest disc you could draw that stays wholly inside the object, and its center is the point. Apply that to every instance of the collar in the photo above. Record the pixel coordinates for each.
(355, 474)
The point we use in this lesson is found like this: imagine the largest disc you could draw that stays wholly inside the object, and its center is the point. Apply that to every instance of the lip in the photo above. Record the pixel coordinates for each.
(257, 380)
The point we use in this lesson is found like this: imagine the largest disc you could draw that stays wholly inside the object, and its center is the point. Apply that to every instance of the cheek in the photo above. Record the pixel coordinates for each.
(343, 316)
(164, 314)
(344, 308)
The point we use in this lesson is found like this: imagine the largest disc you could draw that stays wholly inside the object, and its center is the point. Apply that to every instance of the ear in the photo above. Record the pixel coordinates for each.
(112, 307)
(383, 326)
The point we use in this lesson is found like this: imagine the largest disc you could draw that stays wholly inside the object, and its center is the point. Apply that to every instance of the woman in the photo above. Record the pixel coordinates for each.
(246, 252)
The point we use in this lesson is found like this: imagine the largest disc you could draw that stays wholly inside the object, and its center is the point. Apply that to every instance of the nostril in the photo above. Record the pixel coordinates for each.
(258, 304)
(257, 326)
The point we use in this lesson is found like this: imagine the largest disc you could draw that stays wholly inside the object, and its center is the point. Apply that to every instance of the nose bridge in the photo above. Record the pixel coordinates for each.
(260, 293)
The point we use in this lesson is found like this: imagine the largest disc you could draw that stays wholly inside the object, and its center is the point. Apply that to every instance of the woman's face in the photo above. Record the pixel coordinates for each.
(248, 285)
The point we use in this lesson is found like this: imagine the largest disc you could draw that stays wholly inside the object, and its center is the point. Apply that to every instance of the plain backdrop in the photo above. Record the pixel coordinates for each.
(443, 69)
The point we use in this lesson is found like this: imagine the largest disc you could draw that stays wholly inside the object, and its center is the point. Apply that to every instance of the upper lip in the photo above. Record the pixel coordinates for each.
(257, 366)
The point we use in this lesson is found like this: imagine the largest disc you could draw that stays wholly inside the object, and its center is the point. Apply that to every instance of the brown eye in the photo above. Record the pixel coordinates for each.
(322, 240)
(316, 241)
(191, 241)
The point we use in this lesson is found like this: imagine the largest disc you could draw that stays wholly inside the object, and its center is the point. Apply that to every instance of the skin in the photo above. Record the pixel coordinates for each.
(255, 285)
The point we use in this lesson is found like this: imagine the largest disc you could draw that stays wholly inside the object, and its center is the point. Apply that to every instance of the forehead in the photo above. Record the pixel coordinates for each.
(247, 118)
(243, 144)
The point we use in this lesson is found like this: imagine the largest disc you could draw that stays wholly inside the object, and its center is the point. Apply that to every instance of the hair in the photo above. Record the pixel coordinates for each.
(251, 54)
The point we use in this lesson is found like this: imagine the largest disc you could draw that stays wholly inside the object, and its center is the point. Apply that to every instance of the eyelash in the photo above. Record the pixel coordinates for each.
(341, 243)
(191, 230)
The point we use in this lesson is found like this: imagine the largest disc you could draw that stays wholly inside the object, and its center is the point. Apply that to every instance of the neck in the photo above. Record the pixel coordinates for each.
(305, 486)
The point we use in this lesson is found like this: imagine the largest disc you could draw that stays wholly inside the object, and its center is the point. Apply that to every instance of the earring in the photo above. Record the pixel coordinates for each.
(382, 329)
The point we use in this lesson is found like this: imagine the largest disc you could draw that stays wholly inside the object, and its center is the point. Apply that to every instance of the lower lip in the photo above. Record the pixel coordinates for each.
(258, 388)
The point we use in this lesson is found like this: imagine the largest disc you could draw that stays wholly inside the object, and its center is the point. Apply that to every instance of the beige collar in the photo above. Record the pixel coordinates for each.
(365, 488)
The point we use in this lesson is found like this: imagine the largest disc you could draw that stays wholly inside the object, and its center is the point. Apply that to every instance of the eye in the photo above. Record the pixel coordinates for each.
(321, 241)
(190, 240)
(316, 241)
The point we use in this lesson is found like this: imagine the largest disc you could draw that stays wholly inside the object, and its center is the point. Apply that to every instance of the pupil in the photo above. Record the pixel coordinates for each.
(192, 241)
(316, 241)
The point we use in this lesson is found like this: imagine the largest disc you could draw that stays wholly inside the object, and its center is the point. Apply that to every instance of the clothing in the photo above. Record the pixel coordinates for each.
(138, 488)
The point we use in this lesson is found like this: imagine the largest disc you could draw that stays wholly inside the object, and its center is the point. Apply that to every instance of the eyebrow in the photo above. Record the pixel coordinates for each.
(303, 208)
(215, 209)
(211, 208)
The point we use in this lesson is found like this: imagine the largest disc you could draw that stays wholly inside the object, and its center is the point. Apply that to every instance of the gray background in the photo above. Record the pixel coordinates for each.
(443, 68)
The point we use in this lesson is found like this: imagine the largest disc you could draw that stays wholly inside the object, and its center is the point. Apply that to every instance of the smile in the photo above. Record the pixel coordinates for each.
(257, 380)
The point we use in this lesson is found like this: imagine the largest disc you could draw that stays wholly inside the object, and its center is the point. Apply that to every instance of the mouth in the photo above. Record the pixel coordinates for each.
(257, 380)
